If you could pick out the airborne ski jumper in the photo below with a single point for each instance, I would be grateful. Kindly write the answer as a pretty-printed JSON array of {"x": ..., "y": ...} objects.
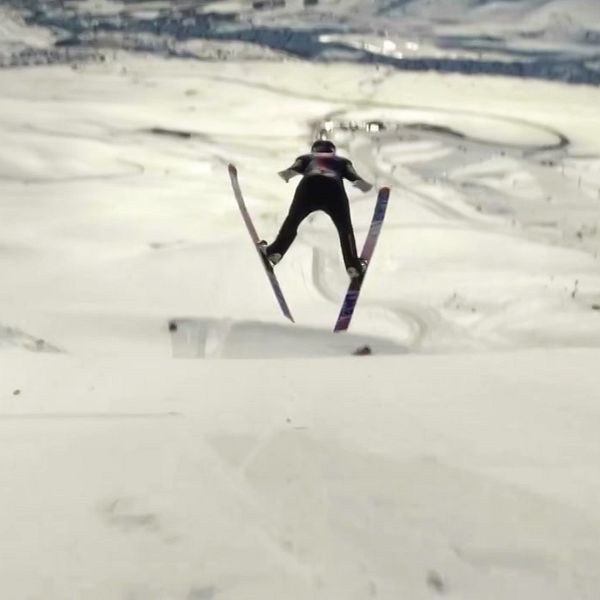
[{"x": 321, "y": 188}]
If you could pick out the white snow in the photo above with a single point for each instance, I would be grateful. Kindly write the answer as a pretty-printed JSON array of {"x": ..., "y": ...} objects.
[
  {"x": 16, "y": 35},
  {"x": 166, "y": 434}
]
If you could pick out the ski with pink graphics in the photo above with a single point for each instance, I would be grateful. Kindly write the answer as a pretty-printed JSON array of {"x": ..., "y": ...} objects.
[{"x": 351, "y": 298}]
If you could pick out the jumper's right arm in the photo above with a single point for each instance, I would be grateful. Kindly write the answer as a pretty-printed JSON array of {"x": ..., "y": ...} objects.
[{"x": 351, "y": 175}]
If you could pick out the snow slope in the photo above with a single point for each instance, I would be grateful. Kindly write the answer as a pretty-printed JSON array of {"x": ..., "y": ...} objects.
[
  {"x": 236, "y": 455},
  {"x": 421, "y": 477}
]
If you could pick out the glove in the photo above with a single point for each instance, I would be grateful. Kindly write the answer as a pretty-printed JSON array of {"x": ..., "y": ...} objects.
[
  {"x": 362, "y": 185},
  {"x": 286, "y": 175}
]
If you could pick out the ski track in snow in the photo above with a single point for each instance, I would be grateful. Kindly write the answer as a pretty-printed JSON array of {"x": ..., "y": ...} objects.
[{"x": 461, "y": 202}]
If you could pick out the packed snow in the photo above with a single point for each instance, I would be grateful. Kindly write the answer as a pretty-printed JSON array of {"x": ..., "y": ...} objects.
[{"x": 166, "y": 434}]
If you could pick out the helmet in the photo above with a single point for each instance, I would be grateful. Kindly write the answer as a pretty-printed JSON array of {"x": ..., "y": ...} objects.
[{"x": 323, "y": 146}]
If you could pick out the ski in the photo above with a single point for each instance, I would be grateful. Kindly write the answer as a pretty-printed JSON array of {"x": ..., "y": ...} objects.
[
  {"x": 351, "y": 298},
  {"x": 235, "y": 184}
]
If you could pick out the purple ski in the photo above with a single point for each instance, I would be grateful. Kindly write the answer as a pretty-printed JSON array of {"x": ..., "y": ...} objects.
[
  {"x": 355, "y": 286},
  {"x": 255, "y": 239}
]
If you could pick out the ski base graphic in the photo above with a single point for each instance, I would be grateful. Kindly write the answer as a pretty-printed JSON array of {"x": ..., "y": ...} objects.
[{"x": 351, "y": 298}]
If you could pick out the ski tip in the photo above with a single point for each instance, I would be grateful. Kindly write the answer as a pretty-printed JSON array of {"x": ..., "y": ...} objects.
[
  {"x": 231, "y": 168},
  {"x": 384, "y": 190}
]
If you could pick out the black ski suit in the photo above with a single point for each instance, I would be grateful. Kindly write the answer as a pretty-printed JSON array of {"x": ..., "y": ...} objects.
[{"x": 321, "y": 188}]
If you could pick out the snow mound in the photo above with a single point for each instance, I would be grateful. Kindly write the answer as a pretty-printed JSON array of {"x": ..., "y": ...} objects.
[{"x": 225, "y": 338}]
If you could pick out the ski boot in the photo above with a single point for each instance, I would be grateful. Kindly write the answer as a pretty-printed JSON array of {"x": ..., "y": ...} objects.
[
  {"x": 273, "y": 258},
  {"x": 355, "y": 272}
]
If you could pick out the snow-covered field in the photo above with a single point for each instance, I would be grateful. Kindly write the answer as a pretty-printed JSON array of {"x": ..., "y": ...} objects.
[{"x": 239, "y": 456}]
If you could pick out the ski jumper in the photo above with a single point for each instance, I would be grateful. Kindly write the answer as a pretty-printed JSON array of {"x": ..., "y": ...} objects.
[{"x": 321, "y": 188}]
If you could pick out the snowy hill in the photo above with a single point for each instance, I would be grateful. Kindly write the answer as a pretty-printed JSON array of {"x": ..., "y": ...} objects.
[{"x": 166, "y": 434}]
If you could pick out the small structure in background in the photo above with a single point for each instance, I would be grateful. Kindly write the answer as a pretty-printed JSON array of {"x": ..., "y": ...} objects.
[
  {"x": 262, "y": 4},
  {"x": 363, "y": 351}
]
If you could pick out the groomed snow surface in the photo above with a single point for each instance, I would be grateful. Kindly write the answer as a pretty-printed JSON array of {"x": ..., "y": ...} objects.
[{"x": 240, "y": 456}]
